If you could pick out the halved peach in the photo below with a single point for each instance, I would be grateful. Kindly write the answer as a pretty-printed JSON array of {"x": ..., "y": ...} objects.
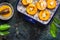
[
  {"x": 41, "y": 5},
  {"x": 31, "y": 9},
  {"x": 51, "y": 4},
  {"x": 26, "y": 2},
  {"x": 44, "y": 15}
]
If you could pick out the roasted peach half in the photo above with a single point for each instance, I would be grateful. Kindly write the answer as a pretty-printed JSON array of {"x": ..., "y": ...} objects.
[
  {"x": 31, "y": 9},
  {"x": 44, "y": 15},
  {"x": 26, "y": 2},
  {"x": 41, "y": 5},
  {"x": 51, "y": 4}
]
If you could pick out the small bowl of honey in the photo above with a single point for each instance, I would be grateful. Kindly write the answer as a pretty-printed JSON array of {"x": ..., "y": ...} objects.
[{"x": 6, "y": 11}]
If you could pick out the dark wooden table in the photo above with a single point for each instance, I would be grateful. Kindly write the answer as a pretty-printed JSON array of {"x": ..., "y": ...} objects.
[{"x": 27, "y": 31}]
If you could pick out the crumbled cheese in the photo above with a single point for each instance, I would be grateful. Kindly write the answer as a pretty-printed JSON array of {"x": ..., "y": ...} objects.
[
  {"x": 31, "y": 9},
  {"x": 28, "y": 1},
  {"x": 42, "y": 4},
  {"x": 52, "y": 3},
  {"x": 44, "y": 15}
]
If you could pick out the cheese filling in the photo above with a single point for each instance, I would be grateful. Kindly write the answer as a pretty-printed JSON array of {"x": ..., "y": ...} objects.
[
  {"x": 43, "y": 4},
  {"x": 29, "y": 1},
  {"x": 31, "y": 9},
  {"x": 51, "y": 3},
  {"x": 44, "y": 15}
]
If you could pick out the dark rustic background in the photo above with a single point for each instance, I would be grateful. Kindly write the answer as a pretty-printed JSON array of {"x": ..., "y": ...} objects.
[{"x": 27, "y": 31}]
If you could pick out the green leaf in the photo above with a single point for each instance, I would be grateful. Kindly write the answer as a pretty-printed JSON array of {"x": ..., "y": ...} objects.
[
  {"x": 4, "y": 27},
  {"x": 56, "y": 20},
  {"x": 4, "y": 33},
  {"x": 53, "y": 30}
]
